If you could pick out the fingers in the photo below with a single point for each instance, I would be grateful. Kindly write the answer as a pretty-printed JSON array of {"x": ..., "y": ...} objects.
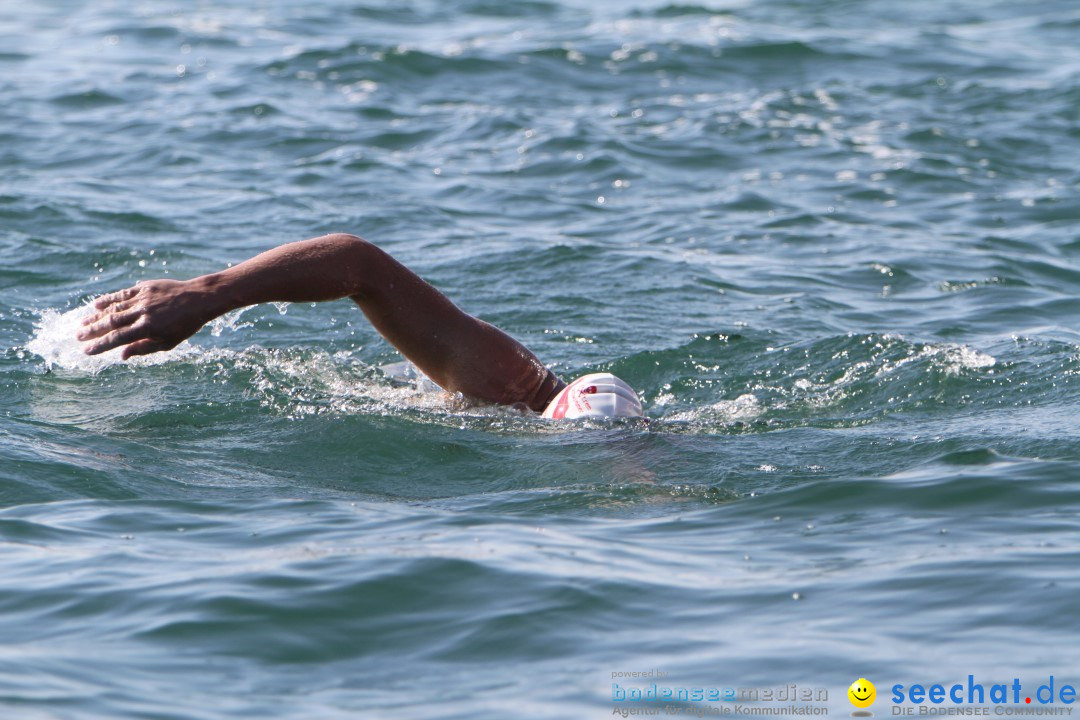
[
  {"x": 116, "y": 338},
  {"x": 97, "y": 325},
  {"x": 123, "y": 305},
  {"x": 106, "y": 300},
  {"x": 143, "y": 347},
  {"x": 117, "y": 307}
]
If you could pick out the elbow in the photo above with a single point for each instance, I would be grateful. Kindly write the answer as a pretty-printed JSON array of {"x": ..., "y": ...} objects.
[
  {"x": 346, "y": 240},
  {"x": 361, "y": 257}
]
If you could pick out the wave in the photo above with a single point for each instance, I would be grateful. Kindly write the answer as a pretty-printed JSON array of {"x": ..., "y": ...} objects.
[{"x": 716, "y": 383}]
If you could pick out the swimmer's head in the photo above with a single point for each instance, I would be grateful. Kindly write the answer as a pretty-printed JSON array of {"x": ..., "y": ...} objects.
[{"x": 599, "y": 395}]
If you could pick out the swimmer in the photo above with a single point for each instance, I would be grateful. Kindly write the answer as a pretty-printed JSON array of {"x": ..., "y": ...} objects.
[{"x": 459, "y": 352}]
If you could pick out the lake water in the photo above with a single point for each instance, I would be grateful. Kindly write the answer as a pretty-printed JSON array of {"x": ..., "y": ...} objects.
[{"x": 833, "y": 245}]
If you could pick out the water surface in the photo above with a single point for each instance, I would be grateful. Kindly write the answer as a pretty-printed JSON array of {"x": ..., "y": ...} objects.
[{"x": 832, "y": 244}]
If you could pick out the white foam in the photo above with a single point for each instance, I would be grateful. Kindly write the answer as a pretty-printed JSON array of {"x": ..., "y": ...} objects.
[
  {"x": 744, "y": 408},
  {"x": 962, "y": 357},
  {"x": 54, "y": 341}
]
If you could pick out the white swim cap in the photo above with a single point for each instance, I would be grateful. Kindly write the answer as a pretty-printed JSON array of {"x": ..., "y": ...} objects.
[{"x": 599, "y": 395}]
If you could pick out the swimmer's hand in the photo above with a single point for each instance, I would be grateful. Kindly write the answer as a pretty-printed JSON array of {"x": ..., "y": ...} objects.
[{"x": 152, "y": 316}]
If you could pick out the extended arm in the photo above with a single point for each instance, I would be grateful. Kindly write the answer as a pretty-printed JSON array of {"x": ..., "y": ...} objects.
[{"x": 459, "y": 352}]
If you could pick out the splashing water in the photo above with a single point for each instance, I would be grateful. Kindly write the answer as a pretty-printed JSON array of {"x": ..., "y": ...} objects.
[
  {"x": 55, "y": 342},
  {"x": 292, "y": 381}
]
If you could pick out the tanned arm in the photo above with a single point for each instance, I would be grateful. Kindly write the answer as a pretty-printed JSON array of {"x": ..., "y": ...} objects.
[{"x": 459, "y": 352}]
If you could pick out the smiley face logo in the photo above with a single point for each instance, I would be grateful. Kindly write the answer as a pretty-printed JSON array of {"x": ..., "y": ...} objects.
[{"x": 862, "y": 693}]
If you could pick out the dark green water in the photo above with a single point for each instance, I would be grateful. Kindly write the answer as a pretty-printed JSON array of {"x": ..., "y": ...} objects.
[{"x": 832, "y": 244}]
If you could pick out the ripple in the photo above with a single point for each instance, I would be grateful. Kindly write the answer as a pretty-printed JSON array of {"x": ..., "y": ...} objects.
[
  {"x": 680, "y": 10},
  {"x": 87, "y": 99}
]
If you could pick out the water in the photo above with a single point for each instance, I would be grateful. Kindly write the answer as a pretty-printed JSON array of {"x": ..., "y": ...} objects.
[{"x": 832, "y": 244}]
